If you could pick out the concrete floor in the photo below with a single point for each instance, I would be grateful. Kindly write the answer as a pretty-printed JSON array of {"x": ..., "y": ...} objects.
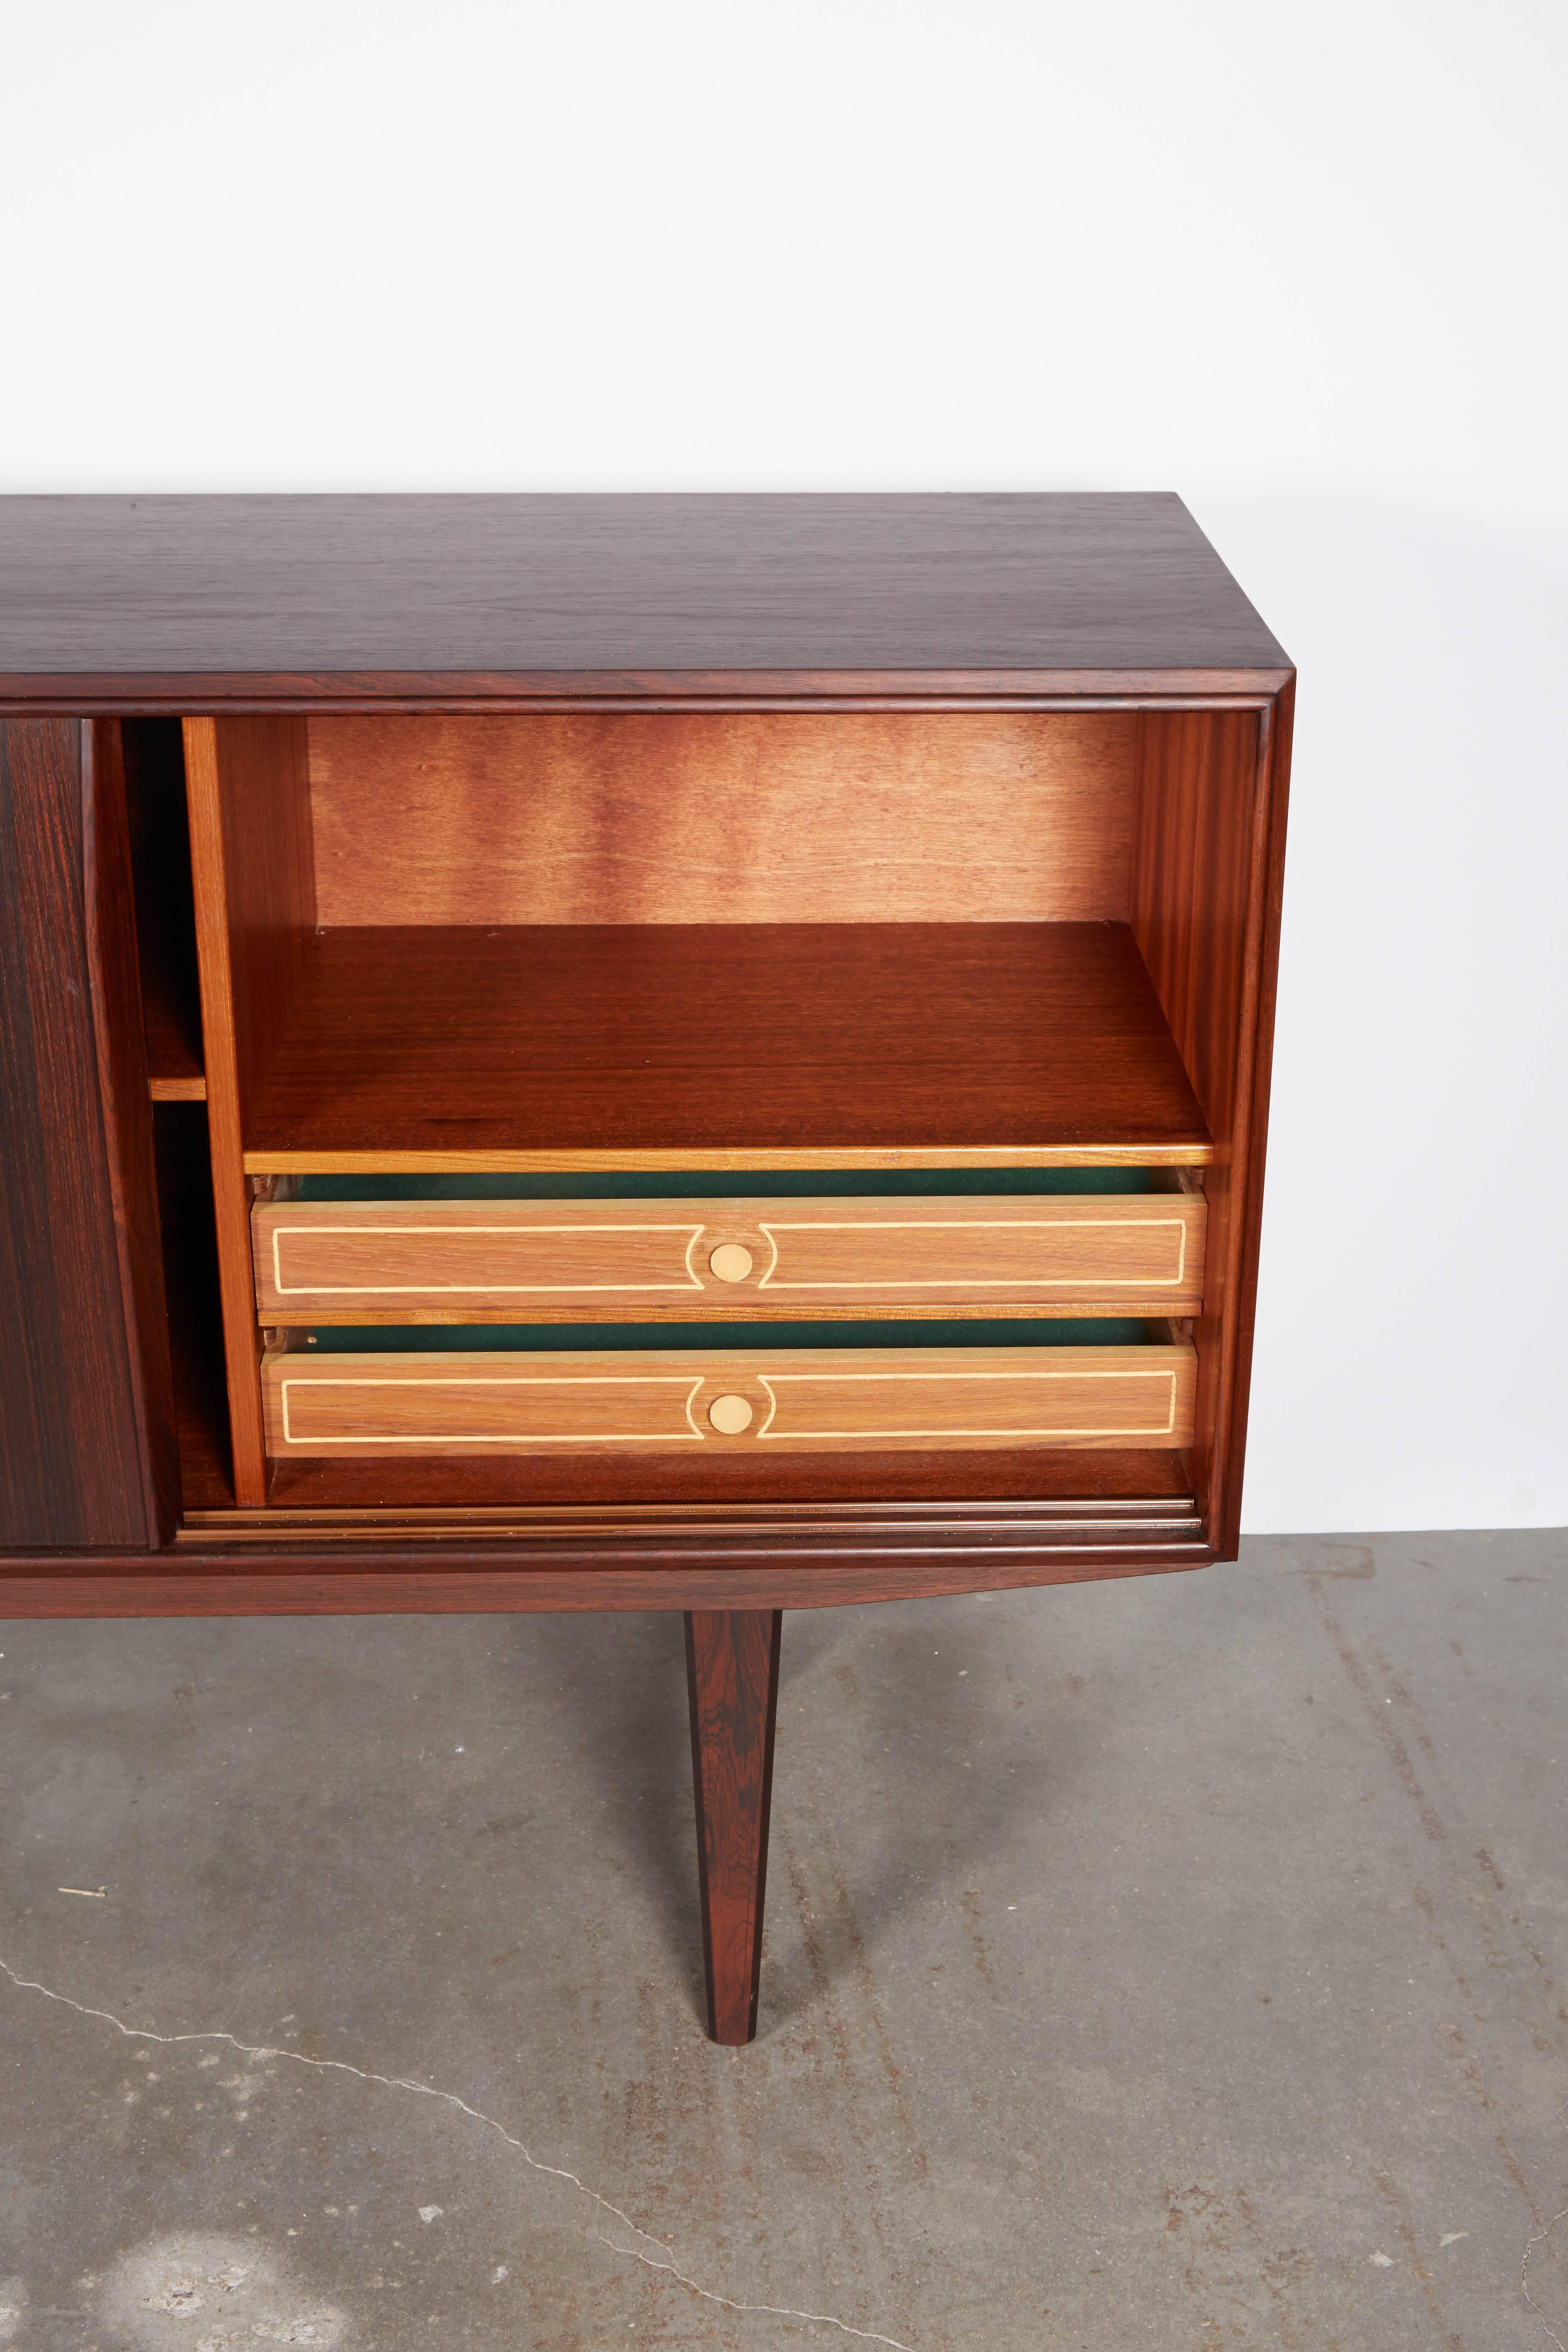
[{"x": 1177, "y": 1962}]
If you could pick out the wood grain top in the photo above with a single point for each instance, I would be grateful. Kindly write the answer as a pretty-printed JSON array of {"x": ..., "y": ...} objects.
[
  {"x": 724, "y": 1045},
  {"x": 204, "y": 600}
]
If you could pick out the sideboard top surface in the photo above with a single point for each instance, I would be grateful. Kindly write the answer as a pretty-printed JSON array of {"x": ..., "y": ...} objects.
[{"x": 306, "y": 599}]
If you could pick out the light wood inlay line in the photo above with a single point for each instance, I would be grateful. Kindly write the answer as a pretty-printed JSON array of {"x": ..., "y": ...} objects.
[
  {"x": 511, "y": 1232},
  {"x": 770, "y": 1380},
  {"x": 1074, "y": 1281},
  {"x": 503, "y": 1437}
]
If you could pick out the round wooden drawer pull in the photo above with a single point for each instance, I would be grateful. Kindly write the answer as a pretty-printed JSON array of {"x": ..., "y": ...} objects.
[
  {"x": 729, "y": 1415},
  {"x": 732, "y": 1263}
]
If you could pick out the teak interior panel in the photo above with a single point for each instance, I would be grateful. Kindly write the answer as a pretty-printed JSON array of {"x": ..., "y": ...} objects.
[
  {"x": 739, "y": 816},
  {"x": 724, "y": 1045},
  {"x": 497, "y": 1260},
  {"x": 251, "y": 861},
  {"x": 715, "y": 1401}
]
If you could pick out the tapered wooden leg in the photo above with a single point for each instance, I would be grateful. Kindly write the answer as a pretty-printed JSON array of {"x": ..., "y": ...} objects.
[{"x": 733, "y": 1676}]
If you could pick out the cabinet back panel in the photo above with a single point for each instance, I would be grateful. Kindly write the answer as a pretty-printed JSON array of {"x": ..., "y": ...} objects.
[{"x": 723, "y": 817}]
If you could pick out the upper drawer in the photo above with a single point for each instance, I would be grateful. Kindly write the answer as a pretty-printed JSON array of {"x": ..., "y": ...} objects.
[{"x": 560, "y": 1261}]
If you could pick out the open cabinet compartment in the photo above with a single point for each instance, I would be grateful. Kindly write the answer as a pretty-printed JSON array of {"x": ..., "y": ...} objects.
[
  {"x": 158, "y": 830},
  {"x": 876, "y": 941}
]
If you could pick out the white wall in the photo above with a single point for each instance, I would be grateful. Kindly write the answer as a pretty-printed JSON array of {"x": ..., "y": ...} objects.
[{"x": 1302, "y": 263}]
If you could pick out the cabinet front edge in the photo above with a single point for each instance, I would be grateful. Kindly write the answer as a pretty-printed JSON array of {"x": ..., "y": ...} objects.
[{"x": 182, "y": 693}]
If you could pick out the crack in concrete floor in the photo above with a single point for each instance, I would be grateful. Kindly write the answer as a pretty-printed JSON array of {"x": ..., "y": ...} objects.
[
  {"x": 1540, "y": 2238},
  {"x": 452, "y": 2099},
  {"x": 1240, "y": 1941},
  {"x": 1363, "y": 1567}
]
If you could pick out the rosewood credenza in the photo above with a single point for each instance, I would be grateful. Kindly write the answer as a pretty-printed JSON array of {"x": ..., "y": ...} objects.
[{"x": 695, "y": 1053}]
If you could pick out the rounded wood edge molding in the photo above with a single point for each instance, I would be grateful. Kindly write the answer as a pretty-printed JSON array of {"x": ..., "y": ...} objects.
[{"x": 343, "y": 1581}]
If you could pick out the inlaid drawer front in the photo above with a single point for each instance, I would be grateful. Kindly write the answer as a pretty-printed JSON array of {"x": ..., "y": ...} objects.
[
  {"x": 795, "y": 1400},
  {"x": 393, "y": 1260},
  {"x": 488, "y": 1261},
  {"x": 1014, "y": 1249}
]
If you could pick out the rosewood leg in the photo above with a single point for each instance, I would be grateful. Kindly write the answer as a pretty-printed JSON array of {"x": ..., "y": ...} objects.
[{"x": 733, "y": 1676}]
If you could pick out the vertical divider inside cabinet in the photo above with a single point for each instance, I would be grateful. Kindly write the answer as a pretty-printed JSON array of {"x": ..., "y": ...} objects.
[
  {"x": 114, "y": 974},
  {"x": 252, "y": 869}
]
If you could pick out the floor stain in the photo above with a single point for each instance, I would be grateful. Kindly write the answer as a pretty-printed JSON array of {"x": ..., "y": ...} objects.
[
  {"x": 1394, "y": 2195},
  {"x": 1385, "y": 1731},
  {"x": 969, "y": 1904}
]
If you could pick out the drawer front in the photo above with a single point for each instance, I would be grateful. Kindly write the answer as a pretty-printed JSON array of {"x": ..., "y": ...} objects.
[
  {"x": 488, "y": 1261},
  {"x": 804, "y": 1400}
]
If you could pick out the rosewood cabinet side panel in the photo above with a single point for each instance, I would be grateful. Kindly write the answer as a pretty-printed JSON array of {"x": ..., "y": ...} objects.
[
  {"x": 1207, "y": 864},
  {"x": 1250, "y": 1143},
  {"x": 83, "y": 1355}
]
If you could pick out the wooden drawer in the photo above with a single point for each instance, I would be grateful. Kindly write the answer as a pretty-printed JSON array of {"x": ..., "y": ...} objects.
[
  {"x": 700, "y": 1261},
  {"x": 796, "y": 1399}
]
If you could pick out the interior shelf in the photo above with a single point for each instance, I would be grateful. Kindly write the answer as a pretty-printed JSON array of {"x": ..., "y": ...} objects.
[
  {"x": 175, "y": 1072},
  {"x": 767, "y": 1045},
  {"x": 1148, "y": 1481}
]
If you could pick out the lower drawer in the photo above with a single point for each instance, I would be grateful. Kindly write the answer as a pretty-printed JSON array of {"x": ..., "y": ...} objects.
[{"x": 804, "y": 1400}]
